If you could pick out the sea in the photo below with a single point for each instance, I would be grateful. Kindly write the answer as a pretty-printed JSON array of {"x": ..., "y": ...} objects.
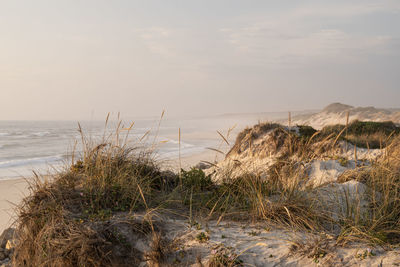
[{"x": 45, "y": 146}]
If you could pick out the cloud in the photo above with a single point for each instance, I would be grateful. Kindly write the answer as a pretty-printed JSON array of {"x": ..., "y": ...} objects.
[
  {"x": 295, "y": 37},
  {"x": 277, "y": 46},
  {"x": 346, "y": 10},
  {"x": 155, "y": 39}
]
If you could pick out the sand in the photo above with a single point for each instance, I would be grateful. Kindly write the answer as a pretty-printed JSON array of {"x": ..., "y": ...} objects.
[
  {"x": 12, "y": 191},
  {"x": 263, "y": 244},
  {"x": 186, "y": 162}
]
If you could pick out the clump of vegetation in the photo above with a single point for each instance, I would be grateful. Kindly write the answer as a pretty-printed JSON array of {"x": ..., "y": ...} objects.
[
  {"x": 344, "y": 162},
  {"x": 196, "y": 180},
  {"x": 72, "y": 220},
  {"x": 223, "y": 256},
  {"x": 380, "y": 225},
  {"x": 254, "y": 233},
  {"x": 250, "y": 196},
  {"x": 372, "y": 127},
  {"x": 366, "y": 253},
  {"x": 366, "y": 134},
  {"x": 363, "y": 127},
  {"x": 202, "y": 237},
  {"x": 315, "y": 248},
  {"x": 306, "y": 131}
]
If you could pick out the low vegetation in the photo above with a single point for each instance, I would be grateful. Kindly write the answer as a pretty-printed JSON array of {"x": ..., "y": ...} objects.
[
  {"x": 222, "y": 256},
  {"x": 94, "y": 212},
  {"x": 84, "y": 216},
  {"x": 366, "y": 134},
  {"x": 315, "y": 248}
]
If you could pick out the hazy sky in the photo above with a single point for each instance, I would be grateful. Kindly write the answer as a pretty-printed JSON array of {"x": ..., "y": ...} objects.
[{"x": 72, "y": 59}]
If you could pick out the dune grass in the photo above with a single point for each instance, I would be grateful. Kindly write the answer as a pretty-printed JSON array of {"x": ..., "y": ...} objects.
[
  {"x": 87, "y": 214},
  {"x": 295, "y": 206},
  {"x": 83, "y": 215},
  {"x": 381, "y": 223}
]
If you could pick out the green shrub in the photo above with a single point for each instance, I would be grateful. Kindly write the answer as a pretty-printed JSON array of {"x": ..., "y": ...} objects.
[
  {"x": 196, "y": 179},
  {"x": 372, "y": 127},
  {"x": 306, "y": 131},
  {"x": 365, "y": 134},
  {"x": 202, "y": 237}
]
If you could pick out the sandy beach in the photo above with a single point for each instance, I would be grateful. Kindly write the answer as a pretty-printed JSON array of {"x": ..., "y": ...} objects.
[{"x": 12, "y": 191}]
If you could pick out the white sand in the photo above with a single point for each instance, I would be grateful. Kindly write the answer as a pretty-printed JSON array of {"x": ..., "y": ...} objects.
[{"x": 266, "y": 245}]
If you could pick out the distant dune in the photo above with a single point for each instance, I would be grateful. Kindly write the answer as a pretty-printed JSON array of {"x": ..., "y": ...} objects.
[{"x": 336, "y": 113}]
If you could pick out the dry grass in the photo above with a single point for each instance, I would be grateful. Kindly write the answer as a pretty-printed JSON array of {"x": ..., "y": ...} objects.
[
  {"x": 254, "y": 198},
  {"x": 86, "y": 214},
  {"x": 222, "y": 256},
  {"x": 83, "y": 216},
  {"x": 159, "y": 248},
  {"x": 381, "y": 223},
  {"x": 282, "y": 198},
  {"x": 316, "y": 248}
]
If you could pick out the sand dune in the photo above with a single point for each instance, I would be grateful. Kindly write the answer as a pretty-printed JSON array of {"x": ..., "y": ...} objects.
[{"x": 336, "y": 113}]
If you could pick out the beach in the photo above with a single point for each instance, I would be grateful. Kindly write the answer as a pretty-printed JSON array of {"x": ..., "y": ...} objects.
[{"x": 12, "y": 191}]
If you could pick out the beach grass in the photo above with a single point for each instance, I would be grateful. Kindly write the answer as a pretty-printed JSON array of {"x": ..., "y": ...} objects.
[{"x": 86, "y": 214}]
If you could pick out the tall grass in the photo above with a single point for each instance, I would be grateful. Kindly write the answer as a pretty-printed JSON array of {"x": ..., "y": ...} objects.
[
  {"x": 70, "y": 220},
  {"x": 86, "y": 214},
  {"x": 380, "y": 223}
]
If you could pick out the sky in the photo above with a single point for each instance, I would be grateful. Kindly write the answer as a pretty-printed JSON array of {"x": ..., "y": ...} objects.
[{"x": 73, "y": 60}]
